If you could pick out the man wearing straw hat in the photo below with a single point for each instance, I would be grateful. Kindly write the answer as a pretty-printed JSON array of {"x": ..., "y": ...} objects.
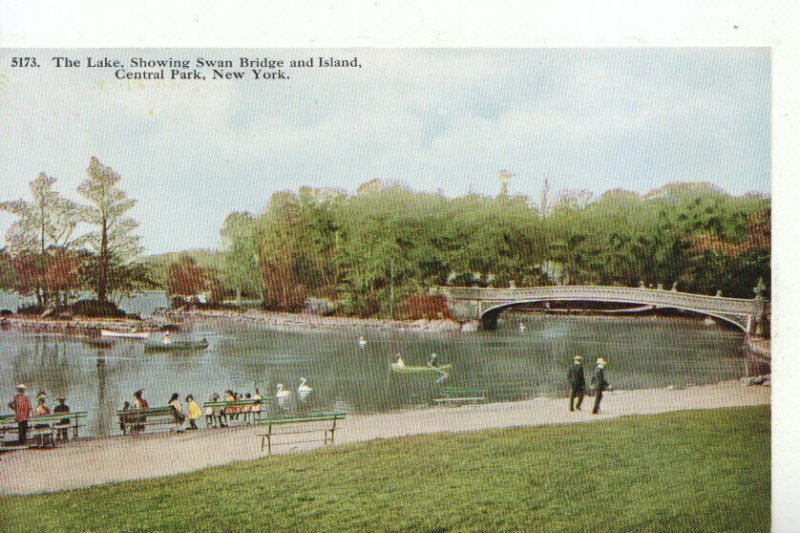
[
  {"x": 577, "y": 383},
  {"x": 599, "y": 383},
  {"x": 22, "y": 409}
]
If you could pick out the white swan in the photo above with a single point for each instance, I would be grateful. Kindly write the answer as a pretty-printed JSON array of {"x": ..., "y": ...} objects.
[
  {"x": 304, "y": 389},
  {"x": 521, "y": 326},
  {"x": 400, "y": 361},
  {"x": 362, "y": 342},
  {"x": 282, "y": 393}
]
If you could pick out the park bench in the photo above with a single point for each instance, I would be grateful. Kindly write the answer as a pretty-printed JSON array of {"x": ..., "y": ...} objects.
[
  {"x": 279, "y": 431},
  {"x": 137, "y": 420},
  {"x": 49, "y": 426},
  {"x": 247, "y": 411},
  {"x": 462, "y": 394}
]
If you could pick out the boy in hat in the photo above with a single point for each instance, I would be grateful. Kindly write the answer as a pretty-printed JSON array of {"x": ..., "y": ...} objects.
[
  {"x": 22, "y": 410},
  {"x": 62, "y": 408},
  {"x": 577, "y": 383},
  {"x": 599, "y": 383}
]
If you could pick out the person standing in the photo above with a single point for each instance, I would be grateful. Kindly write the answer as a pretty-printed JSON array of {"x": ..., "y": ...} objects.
[
  {"x": 599, "y": 384},
  {"x": 194, "y": 412},
  {"x": 125, "y": 419},
  {"x": 577, "y": 383},
  {"x": 22, "y": 409},
  {"x": 62, "y": 408}
]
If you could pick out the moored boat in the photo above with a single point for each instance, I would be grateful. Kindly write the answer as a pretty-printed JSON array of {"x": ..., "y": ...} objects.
[
  {"x": 403, "y": 369},
  {"x": 124, "y": 334},
  {"x": 176, "y": 346},
  {"x": 99, "y": 343}
]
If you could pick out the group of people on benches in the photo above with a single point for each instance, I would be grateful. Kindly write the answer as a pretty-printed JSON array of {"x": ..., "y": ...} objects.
[
  {"x": 25, "y": 414},
  {"x": 216, "y": 415}
]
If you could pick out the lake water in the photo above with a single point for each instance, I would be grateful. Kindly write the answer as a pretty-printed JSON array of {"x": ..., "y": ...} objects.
[{"x": 513, "y": 364}]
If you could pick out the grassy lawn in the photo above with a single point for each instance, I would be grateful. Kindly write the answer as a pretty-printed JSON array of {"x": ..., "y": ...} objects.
[{"x": 688, "y": 471}]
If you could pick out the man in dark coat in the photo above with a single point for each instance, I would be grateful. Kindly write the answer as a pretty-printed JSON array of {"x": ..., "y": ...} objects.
[
  {"x": 577, "y": 383},
  {"x": 62, "y": 408},
  {"x": 599, "y": 384}
]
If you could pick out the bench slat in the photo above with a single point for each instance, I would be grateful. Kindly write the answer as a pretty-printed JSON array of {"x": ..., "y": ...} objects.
[
  {"x": 461, "y": 399},
  {"x": 233, "y": 403},
  {"x": 298, "y": 420}
]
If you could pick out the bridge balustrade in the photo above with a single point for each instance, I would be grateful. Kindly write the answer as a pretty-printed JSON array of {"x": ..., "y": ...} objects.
[{"x": 490, "y": 300}]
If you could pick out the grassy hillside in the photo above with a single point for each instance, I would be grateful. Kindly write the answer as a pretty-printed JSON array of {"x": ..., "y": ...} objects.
[{"x": 688, "y": 471}]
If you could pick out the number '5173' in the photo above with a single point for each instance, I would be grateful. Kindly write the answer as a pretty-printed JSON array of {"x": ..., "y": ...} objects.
[{"x": 24, "y": 62}]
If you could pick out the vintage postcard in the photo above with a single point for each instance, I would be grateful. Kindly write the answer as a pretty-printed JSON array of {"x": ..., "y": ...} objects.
[{"x": 370, "y": 289}]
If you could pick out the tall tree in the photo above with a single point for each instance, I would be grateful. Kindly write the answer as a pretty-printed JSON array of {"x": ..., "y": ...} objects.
[
  {"x": 240, "y": 260},
  {"x": 281, "y": 244},
  {"x": 42, "y": 234},
  {"x": 114, "y": 242}
]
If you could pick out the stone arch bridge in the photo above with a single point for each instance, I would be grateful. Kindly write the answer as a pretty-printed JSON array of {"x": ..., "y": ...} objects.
[{"x": 471, "y": 303}]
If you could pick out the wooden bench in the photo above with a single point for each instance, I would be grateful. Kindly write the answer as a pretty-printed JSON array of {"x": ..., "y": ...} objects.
[
  {"x": 250, "y": 409},
  {"x": 52, "y": 423},
  {"x": 288, "y": 427},
  {"x": 462, "y": 394},
  {"x": 137, "y": 420},
  {"x": 41, "y": 436}
]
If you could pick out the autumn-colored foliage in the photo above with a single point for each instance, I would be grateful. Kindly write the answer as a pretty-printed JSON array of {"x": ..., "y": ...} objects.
[
  {"x": 54, "y": 275},
  {"x": 758, "y": 238},
  {"x": 417, "y": 306},
  {"x": 187, "y": 279}
]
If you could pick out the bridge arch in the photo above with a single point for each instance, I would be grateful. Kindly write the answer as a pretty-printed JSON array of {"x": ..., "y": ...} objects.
[{"x": 489, "y": 316}]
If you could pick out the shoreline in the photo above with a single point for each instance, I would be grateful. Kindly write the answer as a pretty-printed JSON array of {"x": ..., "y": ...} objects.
[
  {"x": 91, "y": 462},
  {"x": 299, "y": 322},
  {"x": 308, "y": 323}
]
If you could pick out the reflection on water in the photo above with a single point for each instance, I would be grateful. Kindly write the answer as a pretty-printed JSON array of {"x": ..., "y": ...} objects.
[{"x": 513, "y": 362}]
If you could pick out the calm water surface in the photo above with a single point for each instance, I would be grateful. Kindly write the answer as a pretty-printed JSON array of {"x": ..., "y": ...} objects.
[{"x": 513, "y": 364}]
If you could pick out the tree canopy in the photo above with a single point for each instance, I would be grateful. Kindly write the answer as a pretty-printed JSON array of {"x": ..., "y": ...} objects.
[{"x": 369, "y": 250}]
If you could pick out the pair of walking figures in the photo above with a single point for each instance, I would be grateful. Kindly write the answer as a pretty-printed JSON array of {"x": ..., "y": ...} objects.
[{"x": 577, "y": 383}]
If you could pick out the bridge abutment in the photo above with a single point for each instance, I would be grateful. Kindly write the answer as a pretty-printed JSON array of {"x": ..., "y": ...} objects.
[{"x": 464, "y": 310}]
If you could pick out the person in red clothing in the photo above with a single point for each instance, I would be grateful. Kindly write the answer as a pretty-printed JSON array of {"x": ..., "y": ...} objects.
[
  {"x": 41, "y": 409},
  {"x": 22, "y": 408},
  {"x": 140, "y": 403}
]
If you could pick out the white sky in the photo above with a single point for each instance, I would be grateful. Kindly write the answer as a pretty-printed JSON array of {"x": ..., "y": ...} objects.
[{"x": 191, "y": 152}]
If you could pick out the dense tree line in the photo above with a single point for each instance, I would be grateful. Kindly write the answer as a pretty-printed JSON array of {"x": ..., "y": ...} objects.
[
  {"x": 368, "y": 251},
  {"x": 377, "y": 251}
]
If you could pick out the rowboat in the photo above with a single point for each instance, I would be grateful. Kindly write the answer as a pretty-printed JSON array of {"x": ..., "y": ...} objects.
[
  {"x": 125, "y": 334},
  {"x": 99, "y": 343},
  {"x": 176, "y": 346},
  {"x": 403, "y": 369}
]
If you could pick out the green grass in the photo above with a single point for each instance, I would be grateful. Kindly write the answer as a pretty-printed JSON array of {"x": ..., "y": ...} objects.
[{"x": 687, "y": 471}]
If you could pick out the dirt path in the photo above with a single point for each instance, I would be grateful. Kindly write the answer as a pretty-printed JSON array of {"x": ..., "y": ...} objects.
[{"x": 98, "y": 461}]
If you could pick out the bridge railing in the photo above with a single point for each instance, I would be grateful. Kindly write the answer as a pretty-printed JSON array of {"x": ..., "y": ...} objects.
[{"x": 659, "y": 297}]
